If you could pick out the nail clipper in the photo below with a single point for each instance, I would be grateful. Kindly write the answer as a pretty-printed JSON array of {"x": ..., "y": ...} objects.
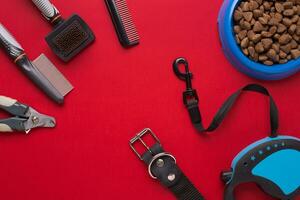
[{"x": 25, "y": 117}]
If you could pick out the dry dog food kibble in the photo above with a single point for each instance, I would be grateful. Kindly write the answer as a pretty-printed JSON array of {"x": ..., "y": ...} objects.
[{"x": 268, "y": 31}]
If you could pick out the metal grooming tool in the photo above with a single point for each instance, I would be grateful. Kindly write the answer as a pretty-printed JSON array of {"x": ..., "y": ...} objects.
[
  {"x": 25, "y": 117},
  {"x": 41, "y": 71}
]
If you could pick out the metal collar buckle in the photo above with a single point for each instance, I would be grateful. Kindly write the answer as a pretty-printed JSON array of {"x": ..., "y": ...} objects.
[
  {"x": 157, "y": 158},
  {"x": 138, "y": 138}
]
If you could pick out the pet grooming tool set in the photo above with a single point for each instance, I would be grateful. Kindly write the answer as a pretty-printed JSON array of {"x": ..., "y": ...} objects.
[
  {"x": 41, "y": 71},
  {"x": 272, "y": 163},
  {"x": 70, "y": 36}
]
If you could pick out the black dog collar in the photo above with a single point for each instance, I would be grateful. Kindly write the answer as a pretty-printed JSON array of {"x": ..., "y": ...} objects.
[{"x": 162, "y": 166}]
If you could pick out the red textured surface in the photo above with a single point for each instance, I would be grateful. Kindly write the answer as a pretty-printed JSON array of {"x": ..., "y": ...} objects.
[{"x": 118, "y": 92}]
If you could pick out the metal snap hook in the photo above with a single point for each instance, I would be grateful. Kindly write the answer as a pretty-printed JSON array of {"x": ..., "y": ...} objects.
[
  {"x": 179, "y": 74},
  {"x": 190, "y": 95},
  {"x": 187, "y": 76}
]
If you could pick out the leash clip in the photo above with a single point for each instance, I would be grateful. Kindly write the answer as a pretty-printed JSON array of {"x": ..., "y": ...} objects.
[{"x": 190, "y": 96}]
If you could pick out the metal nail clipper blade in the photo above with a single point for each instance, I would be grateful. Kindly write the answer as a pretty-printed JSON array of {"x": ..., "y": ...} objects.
[{"x": 42, "y": 72}]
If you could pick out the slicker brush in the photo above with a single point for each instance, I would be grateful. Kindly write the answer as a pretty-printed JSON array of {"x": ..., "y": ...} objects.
[{"x": 70, "y": 36}]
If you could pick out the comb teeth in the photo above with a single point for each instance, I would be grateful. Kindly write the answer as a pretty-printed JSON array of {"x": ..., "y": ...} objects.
[
  {"x": 123, "y": 22},
  {"x": 127, "y": 22}
]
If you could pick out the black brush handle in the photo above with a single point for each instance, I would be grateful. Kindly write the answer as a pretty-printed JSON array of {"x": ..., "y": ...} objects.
[
  {"x": 49, "y": 11},
  {"x": 117, "y": 21},
  {"x": 16, "y": 52},
  {"x": 122, "y": 20}
]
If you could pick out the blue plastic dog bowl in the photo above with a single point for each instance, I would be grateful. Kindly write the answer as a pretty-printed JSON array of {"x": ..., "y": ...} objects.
[{"x": 234, "y": 54}]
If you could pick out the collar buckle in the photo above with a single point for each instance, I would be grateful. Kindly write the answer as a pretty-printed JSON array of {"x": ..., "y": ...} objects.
[{"x": 139, "y": 138}]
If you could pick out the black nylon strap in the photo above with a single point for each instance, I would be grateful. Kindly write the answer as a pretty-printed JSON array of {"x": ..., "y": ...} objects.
[
  {"x": 163, "y": 167},
  {"x": 191, "y": 100},
  {"x": 196, "y": 118},
  {"x": 185, "y": 190}
]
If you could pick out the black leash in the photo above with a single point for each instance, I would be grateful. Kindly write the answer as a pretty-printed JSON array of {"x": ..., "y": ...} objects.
[
  {"x": 191, "y": 101},
  {"x": 162, "y": 165}
]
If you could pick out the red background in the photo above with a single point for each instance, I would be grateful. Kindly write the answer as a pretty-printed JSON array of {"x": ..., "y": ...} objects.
[{"x": 118, "y": 92}]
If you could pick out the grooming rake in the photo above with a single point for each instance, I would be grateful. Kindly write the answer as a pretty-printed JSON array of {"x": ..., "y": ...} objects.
[{"x": 41, "y": 71}]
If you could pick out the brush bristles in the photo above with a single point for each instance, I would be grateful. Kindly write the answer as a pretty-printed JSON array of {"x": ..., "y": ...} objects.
[
  {"x": 70, "y": 38},
  {"x": 127, "y": 21}
]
